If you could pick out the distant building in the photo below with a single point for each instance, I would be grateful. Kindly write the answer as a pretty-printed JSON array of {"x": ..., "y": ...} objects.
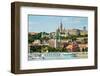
[
  {"x": 83, "y": 32},
  {"x": 62, "y": 32},
  {"x": 73, "y": 31},
  {"x": 73, "y": 47},
  {"x": 52, "y": 43},
  {"x": 33, "y": 33},
  {"x": 36, "y": 42},
  {"x": 67, "y": 32},
  {"x": 58, "y": 36}
]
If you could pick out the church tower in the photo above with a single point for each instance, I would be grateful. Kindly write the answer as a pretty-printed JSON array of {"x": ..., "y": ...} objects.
[
  {"x": 61, "y": 26},
  {"x": 57, "y": 35}
]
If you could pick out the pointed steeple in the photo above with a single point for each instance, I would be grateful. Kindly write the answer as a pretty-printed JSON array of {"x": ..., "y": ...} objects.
[{"x": 61, "y": 26}]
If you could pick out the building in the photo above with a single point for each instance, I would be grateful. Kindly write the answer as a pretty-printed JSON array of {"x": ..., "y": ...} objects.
[
  {"x": 66, "y": 32},
  {"x": 52, "y": 43},
  {"x": 36, "y": 42},
  {"x": 33, "y": 33},
  {"x": 62, "y": 32},
  {"x": 58, "y": 36}
]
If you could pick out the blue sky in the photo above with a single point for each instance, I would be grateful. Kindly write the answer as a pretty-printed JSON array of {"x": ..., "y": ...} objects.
[{"x": 42, "y": 23}]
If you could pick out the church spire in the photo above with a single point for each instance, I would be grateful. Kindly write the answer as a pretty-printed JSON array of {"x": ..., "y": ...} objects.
[{"x": 61, "y": 26}]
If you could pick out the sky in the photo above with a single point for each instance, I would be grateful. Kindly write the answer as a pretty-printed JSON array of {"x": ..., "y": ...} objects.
[{"x": 43, "y": 23}]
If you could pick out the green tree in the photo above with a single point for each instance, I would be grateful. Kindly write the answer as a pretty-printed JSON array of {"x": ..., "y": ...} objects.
[{"x": 30, "y": 39}]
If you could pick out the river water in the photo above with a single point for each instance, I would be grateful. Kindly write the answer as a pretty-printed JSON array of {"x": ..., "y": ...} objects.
[{"x": 56, "y": 56}]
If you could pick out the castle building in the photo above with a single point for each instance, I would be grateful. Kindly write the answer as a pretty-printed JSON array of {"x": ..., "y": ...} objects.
[{"x": 62, "y": 32}]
